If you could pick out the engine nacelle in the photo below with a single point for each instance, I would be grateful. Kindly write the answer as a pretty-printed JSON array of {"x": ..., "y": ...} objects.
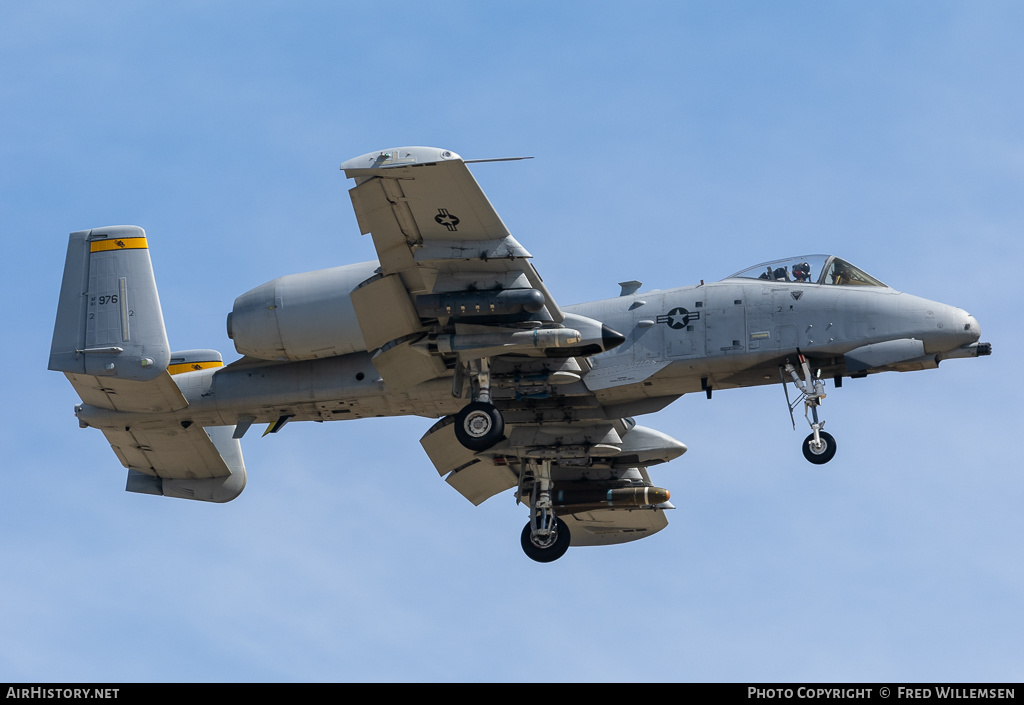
[{"x": 300, "y": 316}]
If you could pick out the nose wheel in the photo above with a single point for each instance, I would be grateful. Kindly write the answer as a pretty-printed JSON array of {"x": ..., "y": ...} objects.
[{"x": 821, "y": 452}]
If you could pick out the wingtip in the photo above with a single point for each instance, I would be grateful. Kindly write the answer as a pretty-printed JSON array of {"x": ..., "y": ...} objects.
[{"x": 400, "y": 156}]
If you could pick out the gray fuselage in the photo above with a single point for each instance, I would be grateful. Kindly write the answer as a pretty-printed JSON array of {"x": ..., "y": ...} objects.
[{"x": 727, "y": 334}]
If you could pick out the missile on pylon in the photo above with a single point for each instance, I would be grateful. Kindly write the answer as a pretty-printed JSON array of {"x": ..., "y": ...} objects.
[{"x": 618, "y": 498}]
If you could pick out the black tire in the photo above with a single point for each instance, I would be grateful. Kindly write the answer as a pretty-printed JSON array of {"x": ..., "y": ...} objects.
[
  {"x": 552, "y": 552},
  {"x": 825, "y": 454},
  {"x": 479, "y": 426}
]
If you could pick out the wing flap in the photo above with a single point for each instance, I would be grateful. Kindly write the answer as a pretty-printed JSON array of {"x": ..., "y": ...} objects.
[
  {"x": 475, "y": 477},
  {"x": 377, "y": 212}
]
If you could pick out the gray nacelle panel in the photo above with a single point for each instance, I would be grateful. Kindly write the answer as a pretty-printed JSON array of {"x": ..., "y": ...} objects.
[{"x": 300, "y": 316}]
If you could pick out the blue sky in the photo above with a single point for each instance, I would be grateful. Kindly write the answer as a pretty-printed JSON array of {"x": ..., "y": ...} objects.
[{"x": 674, "y": 142}]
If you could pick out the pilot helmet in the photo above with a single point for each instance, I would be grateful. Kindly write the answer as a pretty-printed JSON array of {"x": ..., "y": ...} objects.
[{"x": 802, "y": 271}]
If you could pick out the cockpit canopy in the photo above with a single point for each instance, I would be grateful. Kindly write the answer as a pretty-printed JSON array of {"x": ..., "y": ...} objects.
[{"x": 810, "y": 269}]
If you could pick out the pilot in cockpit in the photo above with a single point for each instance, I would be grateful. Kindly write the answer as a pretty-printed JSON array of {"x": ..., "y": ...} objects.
[
  {"x": 841, "y": 273},
  {"x": 802, "y": 272}
]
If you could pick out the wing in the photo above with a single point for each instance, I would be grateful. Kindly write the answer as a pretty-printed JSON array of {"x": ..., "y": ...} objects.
[
  {"x": 442, "y": 249},
  {"x": 456, "y": 295}
]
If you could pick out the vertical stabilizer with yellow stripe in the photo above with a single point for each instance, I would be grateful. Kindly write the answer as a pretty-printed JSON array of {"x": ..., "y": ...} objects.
[
  {"x": 110, "y": 342},
  {"x": 109, "y": 321},
  {"x": 109, "y": 338}
]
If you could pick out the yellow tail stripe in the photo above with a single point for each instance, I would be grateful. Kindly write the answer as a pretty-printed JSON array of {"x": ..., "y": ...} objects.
[
  {"x": 119, "y": 243},
  {"x": 193, "y": 366}
]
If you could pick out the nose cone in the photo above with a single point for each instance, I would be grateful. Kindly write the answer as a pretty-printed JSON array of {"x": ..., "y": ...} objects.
[
  {"x": 970, "y": 331},
  {"x": 973, "y": 327},
  {"x": 948, "y": 328},
  {"x": 611, "y": 338}
]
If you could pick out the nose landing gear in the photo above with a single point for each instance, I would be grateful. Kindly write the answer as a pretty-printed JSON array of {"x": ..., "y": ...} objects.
[
  {"x": 819, "y": 447},
  {"x": 821, "y": 452}
]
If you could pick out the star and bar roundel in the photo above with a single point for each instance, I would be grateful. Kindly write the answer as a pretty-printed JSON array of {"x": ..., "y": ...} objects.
[
  {"x": 448, "y": 220},
  {"x": 679, "y": 318}
]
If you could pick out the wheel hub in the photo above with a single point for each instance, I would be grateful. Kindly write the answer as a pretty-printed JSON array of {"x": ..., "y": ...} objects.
[{"x": 478, "y": 424}]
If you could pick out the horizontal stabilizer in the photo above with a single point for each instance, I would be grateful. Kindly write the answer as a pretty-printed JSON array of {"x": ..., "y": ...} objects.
[
  {"x": 154, "y": 396},
  {"x": 189, "y": 463}
]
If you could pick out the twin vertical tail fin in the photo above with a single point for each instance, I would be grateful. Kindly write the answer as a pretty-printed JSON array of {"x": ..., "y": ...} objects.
[
  {"x": 110, "y": 342},
  {"x": 109, "y": 322},
  {"x": 109, "y": 338}
]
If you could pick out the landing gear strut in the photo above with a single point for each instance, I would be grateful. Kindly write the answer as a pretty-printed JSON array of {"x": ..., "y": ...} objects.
[
  {"x": 479, "y": 425},
  {"x": 819, "y": 447},
  {"x": 545, "y": 537}
]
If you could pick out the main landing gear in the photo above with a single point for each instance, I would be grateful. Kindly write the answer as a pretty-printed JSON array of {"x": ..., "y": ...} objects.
[
  {"x": 819, "y": 447},
  {"x": 479, "y": 424},
  {"x": 545, "y": 537},
  {"x": 549, "y": 549}
]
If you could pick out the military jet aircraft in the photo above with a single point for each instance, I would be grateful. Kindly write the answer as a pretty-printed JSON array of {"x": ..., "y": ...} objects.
[{"x": 454, "y": 323}]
